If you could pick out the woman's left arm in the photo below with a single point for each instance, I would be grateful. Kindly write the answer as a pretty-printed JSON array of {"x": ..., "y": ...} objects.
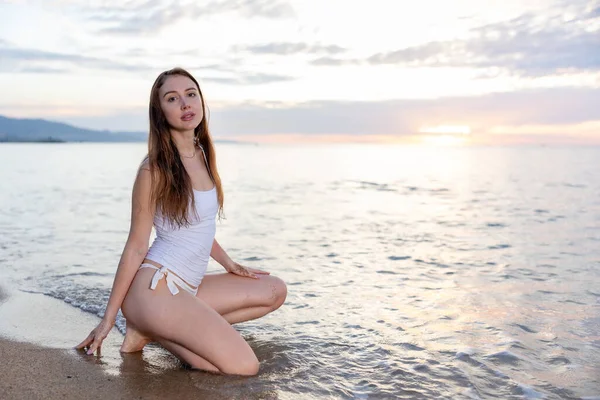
[{"x": 220, "y": 256}]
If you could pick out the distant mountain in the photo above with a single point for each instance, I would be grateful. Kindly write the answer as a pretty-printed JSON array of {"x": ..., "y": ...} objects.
[{"x": 40, "y": 130}]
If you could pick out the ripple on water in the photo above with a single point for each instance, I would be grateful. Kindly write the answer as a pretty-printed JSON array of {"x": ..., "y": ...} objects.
[
  {"x": 307, "y": 323},
  {"x": 399, "y": 258},
  {"x": 410, "y": 346},
  {"x": 504, "y": 357},
  {"x": 495, "y": 225},
  {"x": 525, "y": 328},
  {"x": 559, "y": 360},
  {"x": 499, "y": 246}
]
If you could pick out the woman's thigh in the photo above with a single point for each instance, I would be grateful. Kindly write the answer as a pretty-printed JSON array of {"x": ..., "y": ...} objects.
[
  {"x": 226, "y": 292},
  {"x": 188, "y": 322}
]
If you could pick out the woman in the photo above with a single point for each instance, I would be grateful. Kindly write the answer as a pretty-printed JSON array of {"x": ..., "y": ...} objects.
[{"x": 162, "y": 290}]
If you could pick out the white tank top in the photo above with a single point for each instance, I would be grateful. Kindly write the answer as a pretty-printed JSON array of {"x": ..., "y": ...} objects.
[{"x": 186, "y": 250}]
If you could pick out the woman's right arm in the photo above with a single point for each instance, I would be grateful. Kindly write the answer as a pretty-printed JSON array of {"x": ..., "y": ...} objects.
[{"x": 142, "y": 215}]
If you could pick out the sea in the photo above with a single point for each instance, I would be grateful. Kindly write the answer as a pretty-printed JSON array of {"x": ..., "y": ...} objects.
[{"x": 413, "y": 272}]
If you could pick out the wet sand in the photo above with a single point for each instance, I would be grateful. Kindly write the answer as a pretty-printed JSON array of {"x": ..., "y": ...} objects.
[
  {"x": 37, "y": 335},
  {"x": 34, "y": 372}
]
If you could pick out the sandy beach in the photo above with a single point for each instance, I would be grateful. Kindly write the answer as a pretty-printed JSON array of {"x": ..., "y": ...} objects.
[
  {"x": 34, "y": 372},
  {"x": 38, "y": 362}
]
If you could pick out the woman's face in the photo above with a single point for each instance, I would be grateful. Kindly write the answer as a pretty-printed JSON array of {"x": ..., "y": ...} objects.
[{"x": 180, "y": 102}]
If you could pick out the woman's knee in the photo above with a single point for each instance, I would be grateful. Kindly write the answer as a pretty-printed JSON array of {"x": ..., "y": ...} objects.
[
  {"x": 278, "y": 292},
  {"x": 247, "y": 366}
]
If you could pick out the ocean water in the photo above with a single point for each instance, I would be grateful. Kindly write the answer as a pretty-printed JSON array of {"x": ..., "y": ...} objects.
[{"x": 413, "y": 272}]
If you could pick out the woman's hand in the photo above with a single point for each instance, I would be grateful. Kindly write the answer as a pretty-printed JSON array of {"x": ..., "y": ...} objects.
[
  {"x": 94, "y": 340},
  {"x": 237, "y": 269}
]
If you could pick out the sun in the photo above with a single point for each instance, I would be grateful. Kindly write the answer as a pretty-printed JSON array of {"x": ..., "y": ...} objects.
[{"x": 445, "y": 135}]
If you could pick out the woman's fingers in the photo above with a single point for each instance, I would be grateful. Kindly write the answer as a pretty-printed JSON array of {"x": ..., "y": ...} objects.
[
  {"x": 95, "y": 346},
  {"x": 240, "y": 270},
  {"x": 94, "y": 341},
  {"x": 248, "y": 274},
  {"x": 86, "y": 342},
  {"x": 258, "y": 271},
  {"x": 243, "y": 271}
]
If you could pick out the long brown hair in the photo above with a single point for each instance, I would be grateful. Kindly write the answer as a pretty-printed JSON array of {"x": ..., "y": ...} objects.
[{"x": 171, "y": 185}]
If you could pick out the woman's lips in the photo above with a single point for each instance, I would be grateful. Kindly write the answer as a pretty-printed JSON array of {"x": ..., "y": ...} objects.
[{"x": 188, "y": 116}]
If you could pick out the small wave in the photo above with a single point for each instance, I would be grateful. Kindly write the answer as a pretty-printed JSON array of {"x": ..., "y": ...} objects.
[
  {"x": 430, "y": 190},
  {"x": 546, "y": 266},
  {"x": 504, "y": 357},
  {"x": 499, "y": 246},
  {"x": 253, "y": 258},
  {"x": 574, "y": 185},
  {"x": 468, "y": 352},
  {"x": 434, "y": 263},
  {"x": 572, "y": 302},
  {"x": 382, "y": 187},
  {"x": 421, "y": 367},
  {"x": 307, "y": 323},
  {"x": 82, "y": 274},
  {"x": 559, "y": 360},
  {"x": 410, "y": 346},
  {"x": 399, "y": 258},
  {"x": 529, "y": 393},
  {"x": 525, "y": 328}
]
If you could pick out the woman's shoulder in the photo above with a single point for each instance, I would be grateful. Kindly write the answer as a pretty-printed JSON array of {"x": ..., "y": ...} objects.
[
  {"x": 143, "y": 172},
  {"x": 145, "y": 164}
]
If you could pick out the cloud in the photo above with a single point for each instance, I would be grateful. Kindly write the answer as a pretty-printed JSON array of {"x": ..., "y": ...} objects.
[
  {"x": 22, "y": 60},
  {"x": 530, "y": 111},
  {"x": 153, "y": 15},
  {"x": 561, "y": 106},
  {"x": 287, "y": 48},
  {"x": 327, "y": 52},
  {"x": 529, "y": 45},
  {"x": 43, "y": 70},
  {"x": 32, "y": 60},
  {"x": 273, "y": 9},
  {"x": 334, "y": 62},
  {"x": 249, "y": 79}
]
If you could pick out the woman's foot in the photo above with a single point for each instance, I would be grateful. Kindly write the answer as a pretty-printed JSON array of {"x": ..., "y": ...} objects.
[{"x": 134, "y": 341}]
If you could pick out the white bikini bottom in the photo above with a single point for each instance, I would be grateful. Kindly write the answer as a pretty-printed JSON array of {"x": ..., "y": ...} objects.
[{"x": 174, "y": 282}]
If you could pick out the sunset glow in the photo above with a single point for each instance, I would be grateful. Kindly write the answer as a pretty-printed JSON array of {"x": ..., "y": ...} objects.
[
  {"x": 443, "y": 72},
  {"x": 443, "y": 140},
  {"x": 447, "y": 129}
]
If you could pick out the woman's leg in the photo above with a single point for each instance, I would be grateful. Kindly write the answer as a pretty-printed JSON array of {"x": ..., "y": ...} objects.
[
  {"x": 240, "y": 299},
  {"x": 134, "y": 340},
  {"x": 236, "y": 298},
  {"x": 188, "y": 327}
]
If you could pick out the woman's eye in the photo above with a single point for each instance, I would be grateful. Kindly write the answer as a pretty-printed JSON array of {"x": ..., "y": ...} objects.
[
  {"x": 192, "y": 94},
  {"x": 171, "y": 99}
]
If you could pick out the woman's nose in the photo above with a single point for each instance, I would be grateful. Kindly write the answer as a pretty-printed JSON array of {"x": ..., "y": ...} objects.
[{"x": 184, "y": 104}]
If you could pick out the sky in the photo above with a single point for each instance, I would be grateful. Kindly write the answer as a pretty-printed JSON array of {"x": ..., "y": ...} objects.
[{"x": 432, "y": 71}]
